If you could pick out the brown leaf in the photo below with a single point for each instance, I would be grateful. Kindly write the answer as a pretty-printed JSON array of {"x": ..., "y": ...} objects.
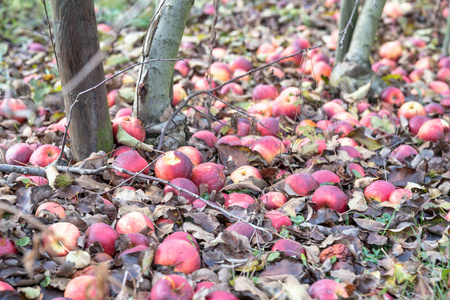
[
  {"x": 284, "y": 267},
  {"x": 241, "y": 155},
  {"x": 400, "y": 177}
]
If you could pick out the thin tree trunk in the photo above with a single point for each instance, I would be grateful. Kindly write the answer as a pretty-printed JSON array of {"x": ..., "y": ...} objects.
[
  {"x": 445, "y": 46},
  {"x": 80, "y": 68},
  {"x": 162, "y": 41},
  {"x": 347, "y": 7},
  {"x": 365, "y": 31}
]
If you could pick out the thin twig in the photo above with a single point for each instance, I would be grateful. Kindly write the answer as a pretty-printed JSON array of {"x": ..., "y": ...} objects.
[
  {"x": 191, "y": 96},
  {"x": 349, "y": 23},
  {"x": 212, "y": 40},
  {"x": 50, "y": 32}
]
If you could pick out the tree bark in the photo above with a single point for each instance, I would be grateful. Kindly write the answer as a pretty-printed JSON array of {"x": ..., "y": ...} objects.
[
  {"x": 80, "y": 68},
  {"x": 162, "y": 41},
  {"x": 347, "y": 7},
  {"x": 446, "y": 44}
]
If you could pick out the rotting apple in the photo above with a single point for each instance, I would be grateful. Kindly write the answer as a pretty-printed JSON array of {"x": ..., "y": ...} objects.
[
  {"x": 245, "y": 172},
  {"x": 51, "y": 207}
]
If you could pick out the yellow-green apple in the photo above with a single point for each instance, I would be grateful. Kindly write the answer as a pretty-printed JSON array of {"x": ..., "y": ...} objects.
[
  {"x": 207, "y": 136},
  {"x": 352, "y": 152},
  {"x": 60, "y": 238},
  {"x": 128, "y": 81},
  {"x": 396, "y": 196},
  {"x": 241, "y": 63},
  {"x": 434, "y": 108},
  {"x": 194, "y": 155},
  {"x": 53, "y": 208},
  {"x": 346, "y": 141},
  {"x": 171, "y": 287},
  {"x": 86, "y": 287},
  {"x": 220, "y": 71},
  {"x": 320, "y": 69},
  {"x": 271, "y": 126},
  {"x": 379, "y": 190},
  {"x": 103, "y": 234},
  {"x": 245, "y": 172},
  {"x": 269, "y": 147},
  {"x": 179, "y": 93},
  {"x": 239, "y": 199},
  {"x": 44, "y": 155},
  {"x": 133, "y": 126},
  {"x": 301, "y": 183},
  {"x": 242, "y": 228},
  {"x": 173, "y": 164},
  {"x": 137, "y": 239},
  {"x": 331, "y": 197},
  {"x": 119, "y": 150},
  {"x": 209, "y": 174},
  {"x": 123, "y": 112},
  {"x": 392, "y": 95},
  {"x": 184, "y": 236},
  {"x": 273, "y": 200},
  {"x": 287, "y": 103},
  {"x": 231, "y": 88},
  {"x": 410, "y": 109},
  {"x": 332, "y": 108},
  {"x": 219, "y": 52},
  {"x": 230, "y": 140},
  {"x": 184, "y": 184},
  {"x": 278, "y": 219},
  {"x": 354, "y": 168},
  {"x": 6, "y": 287},
  {"x": 7, "y": 246},
  {"x": 182, "y": 67},
  {"x": 433, "y": 130},
  {"x": 402, "y": 152},
  {"x": 391, "y": 50},
  {"x": 18, "y": 154},
  {"x": 289, "y": 247},
  {"x": 135, "y": 222},
  {"x": 179, "y": 254},
  {"x": 15, "y": 109},
  {"x": 131, "y": 161},
  {"x": 325, "y": 176},
  {"x": 327, "y": 289},
  {"x": 264, "y": 91},
  {"x": 415, "y": 123},
  {"x": 221, "y": 295},
  {"x": 438, "y": 86}
]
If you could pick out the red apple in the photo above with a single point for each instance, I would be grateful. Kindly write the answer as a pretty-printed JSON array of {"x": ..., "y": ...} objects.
[
  {"x": 44, "y": 155},
  {"x": 184, "y": 236},
  {"x": 231, "y": 88},
  {"x": 264, "y": 91},
  {"x": 171, "y": 287},
  {"x": 332, "y": 108},
  {"x": 7, "y": 247},
  {"x": 137, "y": 239},
  {"x": 288, "y": 51},
  {"x": 86, "y": 287},
  {"x": 242, "y": 228},
  {"x": 331, "y": 197},
  {"x": 271, "y": 126},
  {"x": 392, "y": 95},
  {"x": 120, "y": 150},
  {"x": 397, "y": 195},
  {"x": 402, "y": 152},
  {"x": 221, "y": 295},
  {"x": 194, "y": 155},
  {"x": 15, "y": 109},
  {"x": 301, "y": 183},
  {"x": 219, "y": 52},
  {"x": 379, "y": 190},
  {"x": 346, "y": 141},
  {"x": 207, "y": 136},
  {"x": 433, "y": 130},
  {"x": 263, "y": 108},
  {"x": 202, "y": 84},
  {"x": 103, "y": 234},
  {"x": 131, "y": 161},
  {"x": 327, "y": 289},
  {"x": 423, "y": 63},
  {"x": 113, "y": 97},
  {"x": 287, "y": 103},
  {"x": 209, "y": 174},
  {"x": 220, "y": 71},
  {"x": 6, "y": 287},
  {"x": 289, "y": 247},
  {"x": 269, "y": 147},
  {"x": 182, "y": 255},
  {"x": 273, "y": 200},
  {"x": 391, "y": 50},
  {"x": 320, "y": 143},
  {"x": 238, "y": 199},
  {"x": 53, "y": 208},
  {"x": 203, "y": 285},
  {"x": 134, "y": 222},
  {"x": 443, "y": 75},
  {"x": 265, "y": 49},
  {"x": 179, "y": 93},
  {"x": 439, "y": 86},
  {"x": 182, "y": 67},
  {"x": 434, "y": 109},
  {"x": 325, "y": 176},
  {"x": 59, "y": 238},
  {"x": 133, "y": 126},
  {"x": 230, "y": 140},
  {"x": 245, "y": 172},
  {"x": 123, "y": 112},
  {"x": 278, "y": 219},
  {"x": 18, "y": 154},
  {"x": 241, "y": 63},
  {"x": 185, "y": 184},
  {"x": 415, "y": 123},
  {"x": 342, "y": 128},
  {"x": 320, "y": 69},
  {"x": 354, "y": 167},
  {"x": 410, "y": 109},
  {"x": 352, "y": 152},
  {"x": 38, "y": 180},
  {"x": 138, "y": 248},
  {"x": 173, "y": 164}
]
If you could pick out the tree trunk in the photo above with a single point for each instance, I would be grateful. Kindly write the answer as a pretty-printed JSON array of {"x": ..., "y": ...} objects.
[
  {"x": 347, "y": 7},
  {"x": 162, "y": 41},
  {"x": 355, "y": 70},
  {"x": 80, "y": 68},
  {"x": 445, "y": 46}
]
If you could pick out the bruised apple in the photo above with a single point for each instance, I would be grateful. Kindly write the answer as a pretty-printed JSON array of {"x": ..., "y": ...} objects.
[{"x": 245, "y": 172}]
